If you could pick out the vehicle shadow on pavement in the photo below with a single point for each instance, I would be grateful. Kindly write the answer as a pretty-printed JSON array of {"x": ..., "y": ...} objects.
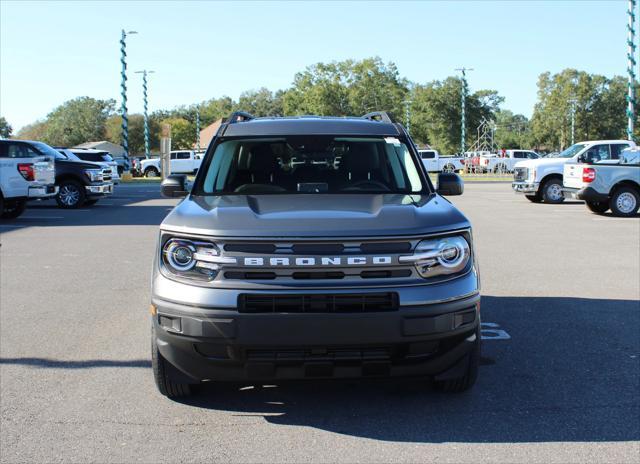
[
  {"x": 570, "y": 371},
  {"x": 83, "y": 364}
]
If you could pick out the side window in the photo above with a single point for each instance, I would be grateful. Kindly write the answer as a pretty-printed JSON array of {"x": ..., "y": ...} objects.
[
  {"x": 616, "y": 149},
  {"x": 3, "y": 150},
  {"x": 519, "y": 154},
  {"x": 532, "y": 155},
  {"x": 174, "y": 156},
  {"x": 597, "y": 153},
  {"x": 21, "y": 150},
  {"x": 184, "y": 155}
]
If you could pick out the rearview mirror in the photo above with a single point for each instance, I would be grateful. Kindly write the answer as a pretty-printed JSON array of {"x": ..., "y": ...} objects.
[
  {"x": 450, "y": 184},
  {"x": 174, "y": 186}
]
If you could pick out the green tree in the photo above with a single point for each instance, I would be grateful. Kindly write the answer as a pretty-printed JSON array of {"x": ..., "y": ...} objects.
[
  {"x": 512, "y": 130},
  {"x": 183, "y": 133},
  {"x": 5, "y": 128},
  {"x": 436, "y": 110},
  {"x": 33, "y": 131},
  {"x": 261, "y": 102},
  {"x": 346, "y": 88},
  {"x": 136, "y": 132},
  {"x": 79, "y": 120}
]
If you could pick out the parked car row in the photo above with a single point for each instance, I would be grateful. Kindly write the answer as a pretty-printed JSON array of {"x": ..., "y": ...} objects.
[
  {"x": 31, "y": 170},
  {"x": 603, "y": 173}
]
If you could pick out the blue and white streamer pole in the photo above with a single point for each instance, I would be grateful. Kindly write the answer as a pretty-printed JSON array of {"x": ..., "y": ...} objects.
[
  {"x": 463, "y": 100},
  {"x": 146, "y": 113},
  {"x": 631, "y": 67},
  {"x": 198, "y": 128},
  {"x": 123, "y": 93}
]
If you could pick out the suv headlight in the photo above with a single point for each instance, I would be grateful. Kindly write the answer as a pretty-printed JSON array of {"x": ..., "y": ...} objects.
[
  {"x": 440, "y": 256},
  {"x": 191, "y": 259},
  {"x": 94, "y": 175}
]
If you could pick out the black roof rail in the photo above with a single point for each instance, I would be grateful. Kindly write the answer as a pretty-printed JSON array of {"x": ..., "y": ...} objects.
[
  {"x": 239, "y": 116},
  {"x": 382, "y": 116}
]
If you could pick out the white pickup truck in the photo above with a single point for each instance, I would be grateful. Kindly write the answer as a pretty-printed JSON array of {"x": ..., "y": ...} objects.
[
  {"x": 541, "y": 179},
  {"x": 505, "y": 161},
  {"x": 434, "y": 162},
  {"x": 25, "y": 174},
  {"x": 182, "y": 162}
]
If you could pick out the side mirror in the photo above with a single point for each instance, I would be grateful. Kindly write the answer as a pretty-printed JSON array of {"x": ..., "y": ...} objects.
[
  {"x": 174, "y": 186},
  {"x": 450, "y": 184}
]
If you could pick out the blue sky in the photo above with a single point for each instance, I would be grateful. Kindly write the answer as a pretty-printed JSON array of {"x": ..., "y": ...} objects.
[{"x": 53, "y": 51}]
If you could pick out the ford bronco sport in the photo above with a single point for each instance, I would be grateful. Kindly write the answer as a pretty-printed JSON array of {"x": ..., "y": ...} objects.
[{"x": 314, "y": 247}]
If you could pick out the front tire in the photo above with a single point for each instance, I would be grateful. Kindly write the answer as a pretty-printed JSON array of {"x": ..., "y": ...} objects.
[
  {"x": 625, "y": 202},
  {"x": 71, "y": 195},
  {"x": 597, "y": 207},
  {"x": 468, "y": 379},
  {"x": 151, "y": 172},
  {"x": 12, "y": 210},
  {"x": 160, "y": 366},
  {"x": 552, "y": 191}
]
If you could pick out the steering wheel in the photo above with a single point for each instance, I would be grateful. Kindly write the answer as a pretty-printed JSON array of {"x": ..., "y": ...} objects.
[{"x": 371, "y": 183}]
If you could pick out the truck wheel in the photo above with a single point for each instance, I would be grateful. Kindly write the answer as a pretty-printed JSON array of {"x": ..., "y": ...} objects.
[
  {"x": 552, "y": 191},
  {"x": 71, "y": 194},
  {"x": 151, "y": 172},
  {"x": 90, "y": 202},
  {"x": 160, "y": 367},
  {"x": 12, "y": 210},
  {"x": 533, "y": 198},
  {"x": 597, "y": 207},
  {"x": 468, "y": 379},
  {"x": 625, "y": 202},
  {"x": 449, "y": 168}
]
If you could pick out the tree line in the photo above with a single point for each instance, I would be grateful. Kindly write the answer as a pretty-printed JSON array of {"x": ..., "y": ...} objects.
[{"x": 351, "y": 87}]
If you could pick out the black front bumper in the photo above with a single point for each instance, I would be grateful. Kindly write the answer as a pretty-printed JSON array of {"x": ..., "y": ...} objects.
[{"x": 227, "y": 345}]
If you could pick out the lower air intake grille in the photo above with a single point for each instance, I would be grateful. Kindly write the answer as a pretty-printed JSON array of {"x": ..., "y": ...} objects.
[{"x": 323, "y": 303}]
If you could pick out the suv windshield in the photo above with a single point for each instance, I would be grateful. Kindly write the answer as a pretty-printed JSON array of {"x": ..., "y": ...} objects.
[
  {"x": 311, "y": 164},
  {"x": 569, "y": 152}
]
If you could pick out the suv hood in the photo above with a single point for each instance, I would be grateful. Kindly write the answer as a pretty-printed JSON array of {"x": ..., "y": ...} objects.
[{"x": 330, "y": 215}]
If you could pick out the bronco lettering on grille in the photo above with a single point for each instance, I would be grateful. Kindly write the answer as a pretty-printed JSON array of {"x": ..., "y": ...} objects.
[{"x": 318, "y": 261}]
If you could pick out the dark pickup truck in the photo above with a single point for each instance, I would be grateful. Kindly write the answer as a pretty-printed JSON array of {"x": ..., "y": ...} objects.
[{"x": 314, "y": 247}]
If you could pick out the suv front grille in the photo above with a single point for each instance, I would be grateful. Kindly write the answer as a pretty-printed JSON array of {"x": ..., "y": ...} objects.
[
  {"x": 320, "y": 303},
  {"x": 106, "y": 174},
  {"x": 520, "y": 174}
]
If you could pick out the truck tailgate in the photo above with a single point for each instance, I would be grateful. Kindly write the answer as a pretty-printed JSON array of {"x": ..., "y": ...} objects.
[
  {"x": 44, "y": 171},
  {"x": 572, "y": 176}
]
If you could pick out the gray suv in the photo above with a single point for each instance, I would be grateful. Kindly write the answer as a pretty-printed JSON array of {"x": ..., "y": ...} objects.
[{"x": 314, "y": 247}]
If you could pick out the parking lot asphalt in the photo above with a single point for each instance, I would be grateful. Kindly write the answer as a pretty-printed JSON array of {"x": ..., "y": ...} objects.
[{"x": 559, "y": 380}]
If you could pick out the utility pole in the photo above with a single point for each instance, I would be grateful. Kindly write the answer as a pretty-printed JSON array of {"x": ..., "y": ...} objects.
[
  {"x": 573, "y": 120},
  {"x": 198, "y": 127},
  {"x": 631, "y": 66},
  {"x": 144, "y": 73},
  {"x": 123, "y": 93},
  {"x": 407, "y": 115},
  {"x": 463, "y": 98}
]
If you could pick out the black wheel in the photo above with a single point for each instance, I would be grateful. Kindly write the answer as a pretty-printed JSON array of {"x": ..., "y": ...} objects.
[
  {"x": 552, "y": 191},
  {"x": 470, "y": 373},
  {"x": 598, "y": 207},
  {"x": 161, "y": 368},
  {"x": 625, "y": 202},
  {"x": 90, "y": 202},
  {"x": 11, "y": 210},
  {"x": 533, "y": 198},
  {"x": 71, "y": 194},
  {"x": 151, "y": 172}
]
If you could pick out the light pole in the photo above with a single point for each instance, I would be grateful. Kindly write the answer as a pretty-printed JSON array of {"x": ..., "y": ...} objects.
[
  {"x": 631, "y": 65},
  {"x": 463, "y": 98},
  {"x": 144, "y": 73},
  {"x": 407, "y": 114},
  {"x": 198, "y": 127},
  {"x": 123, "y": 93},
  {"x": 573, "y": 120}
]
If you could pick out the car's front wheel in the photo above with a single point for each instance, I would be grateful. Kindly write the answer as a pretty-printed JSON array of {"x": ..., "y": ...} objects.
[
  {"x": 468, "y": 371},
  {"x": 552, "y": 191},
  {"x": 598, "y": 207},
  {"x": 151, "y": 172},
  {"x": 161, "y": 373},
  {"x": 71, "y": 194}
]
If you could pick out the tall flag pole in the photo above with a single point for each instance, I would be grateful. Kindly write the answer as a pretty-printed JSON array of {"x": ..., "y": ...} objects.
[
  {"x": 631, "y": 67},
  {"x": 123, "y": 93},
  {"x": 146, "y": 113},
  {"x": 463, "y": 100},
  {"x": 198, "y": 127}
]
